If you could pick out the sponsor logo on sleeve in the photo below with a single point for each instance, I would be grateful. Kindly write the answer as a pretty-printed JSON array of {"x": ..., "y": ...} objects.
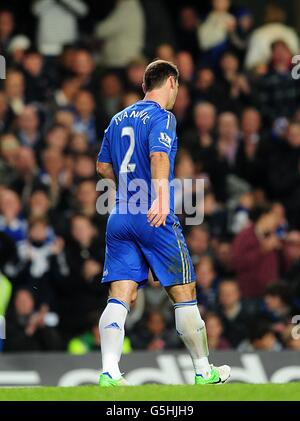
[{"x": 165, "y": 139}]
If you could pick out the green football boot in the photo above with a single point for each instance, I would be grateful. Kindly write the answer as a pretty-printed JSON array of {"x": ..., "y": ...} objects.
[
  {"x": 218, "y": 375},
  {"x": 105, "y": 380}
]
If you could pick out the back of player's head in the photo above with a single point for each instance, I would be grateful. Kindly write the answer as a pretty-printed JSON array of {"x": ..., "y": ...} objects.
[{"x": 157, "y": 73}]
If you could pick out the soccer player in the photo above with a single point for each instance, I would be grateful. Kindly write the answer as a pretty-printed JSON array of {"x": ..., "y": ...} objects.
[{"x": 138, "y": 150}]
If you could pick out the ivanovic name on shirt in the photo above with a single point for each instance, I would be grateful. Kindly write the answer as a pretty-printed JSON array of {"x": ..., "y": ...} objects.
[{"x": 143, "y": 115}]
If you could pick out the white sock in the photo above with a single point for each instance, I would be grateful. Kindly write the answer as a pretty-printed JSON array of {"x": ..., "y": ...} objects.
[
  {"x": 191, "y": 329},
  {"x": 111, "y": 326}
]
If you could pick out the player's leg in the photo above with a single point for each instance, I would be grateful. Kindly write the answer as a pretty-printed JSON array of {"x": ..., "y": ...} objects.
[
  {"x": 168, "y": 256},
  {"x": 121, "y": 295},
  {"x": 191, "y": 329},
  {"x": 190, "y": 326},
  {"x": 124, "y": 270}
]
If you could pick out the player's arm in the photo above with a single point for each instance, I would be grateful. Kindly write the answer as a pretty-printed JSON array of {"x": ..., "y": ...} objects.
[
  {"x": 161, "y": 139},
  {"x": 105, "y": 170},
  {"x": 160, "y": 170},
  {"x": 104, "y": 166}
]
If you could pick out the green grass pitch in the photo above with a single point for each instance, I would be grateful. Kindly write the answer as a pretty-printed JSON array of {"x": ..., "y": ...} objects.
[{"x": 229, "y": 392}]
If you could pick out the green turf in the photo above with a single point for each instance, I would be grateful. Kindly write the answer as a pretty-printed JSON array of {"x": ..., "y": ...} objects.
[{"x": 229, "y": 392}]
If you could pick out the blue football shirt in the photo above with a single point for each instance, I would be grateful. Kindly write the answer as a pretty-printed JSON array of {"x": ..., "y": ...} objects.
[{"x": 131, "y": 136}]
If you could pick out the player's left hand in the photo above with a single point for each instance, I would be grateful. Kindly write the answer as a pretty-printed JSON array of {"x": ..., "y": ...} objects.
[{"x": 158, "y": 213}]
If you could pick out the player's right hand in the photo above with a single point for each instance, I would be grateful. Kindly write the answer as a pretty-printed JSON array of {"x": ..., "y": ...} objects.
[{"x": 158, "y": 213}]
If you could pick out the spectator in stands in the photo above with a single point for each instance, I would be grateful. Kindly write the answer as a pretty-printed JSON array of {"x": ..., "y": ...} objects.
[
  {"x": 85, "y": 119},
  {"x": 78, "y": 290},
  {"x": 84, "y": 168},
  {"x": 290, "y": 340},
  {"x": 27, "y": 172},
  {"x": 255, "y": 253},
  {"x": 64, "y": 118},
  {"x": 206, "y": 284},
  {"x": 227, "y": 142},
  {"x": 207, "y": 88},
  {"x": 213, "y": 33},
  {"x": 186, "y": 67},
  {"x": 233, "y": 312},
  {"x": 110, "y": 95},
  {"x": 156, "y": 298},
  {"x": 291, "y": 253},
  {"x": 11, "y": 221},
  {"x": 130, "y": 98},
  {"x": 28, "y": 326},
  {"x": 14, "y": 89},
  {"x": 252, "y": 149},
  {"x": 78, "y": 143},
  {"x": 198, "y": 240},
  {"x": 157, "y": 30},
  {"x": 134, "y": 75},
  {"x": 123, "y": 33},
  {"x": 200, "y": 139},
  {"x": 57, "y": 23},
  {"x": 9, "y": 152},
  {"x": 284, "y": 175},
  {"x": 261, "y": 338},
  {"x": 39, "y": 261},
  {"x": 235, "y": 84},
  {"x": 82, "y": 63},
  {"x": 223, "y": 255},
  {"x": 220, "y": 163},
  {"x": 273, "y": 29},
  {"x": 6, "y": 114},
  {"x": 7, "y": 26},
  {"x": 37, "y": 84},
  {"x": 65, "y": 95},
  {"x": 6, "y": 293},
  {"x": 18, "y": 45},
  {"x": 85, "y": 203},
  {"x": 57, "y": 137},
  {"x": 277, "y": 92},
  {"x": 166, "y": 52},
  {"x": 239, "y": 39},
  {"x": 277, "y": 307},
  {"x": 7, "y": 249},
  {"x": 153, "y": 334},
  {"x": 55, "y": 177},
  {"x": 241, "y": 213},
  {"x": 182, "y": 111},
  {"x": 215, "y": 216},
  {"x": 187, "y": 37},
  {"x": 28, "y": 127},
  {"x": 215, "y": 337},
  {"x": 39, "y": 204}
]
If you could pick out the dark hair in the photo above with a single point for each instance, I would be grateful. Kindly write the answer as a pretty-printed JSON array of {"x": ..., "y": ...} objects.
[
  {"x": 258, "y": 211},
  {"x": 158, "y": 72},
  {"x": 36, "y": 220},
  {"x": 55, "y": 126},
  {"x": 258, "y": 328},
  {"x": 32, "y": 51},
  {"x": 279, "y": 42},
  {"x": 81, "y": 216},
  {"x": 281, "y": 290}
]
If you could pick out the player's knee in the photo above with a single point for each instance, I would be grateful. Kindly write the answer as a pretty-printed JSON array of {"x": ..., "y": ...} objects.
[
  {"x": 133, "y": 297},
  {"x": 182, "y": 293}
]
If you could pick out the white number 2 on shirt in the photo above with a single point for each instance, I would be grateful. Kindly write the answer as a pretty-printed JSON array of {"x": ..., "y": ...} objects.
[{"x": 126, "y": 166}]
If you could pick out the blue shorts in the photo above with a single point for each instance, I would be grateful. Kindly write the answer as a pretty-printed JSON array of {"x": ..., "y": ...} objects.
[{"x": 133, "y": 247}]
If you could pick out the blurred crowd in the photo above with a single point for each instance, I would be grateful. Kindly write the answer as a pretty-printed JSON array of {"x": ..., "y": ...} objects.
[{"x": 238, "y": 123}]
